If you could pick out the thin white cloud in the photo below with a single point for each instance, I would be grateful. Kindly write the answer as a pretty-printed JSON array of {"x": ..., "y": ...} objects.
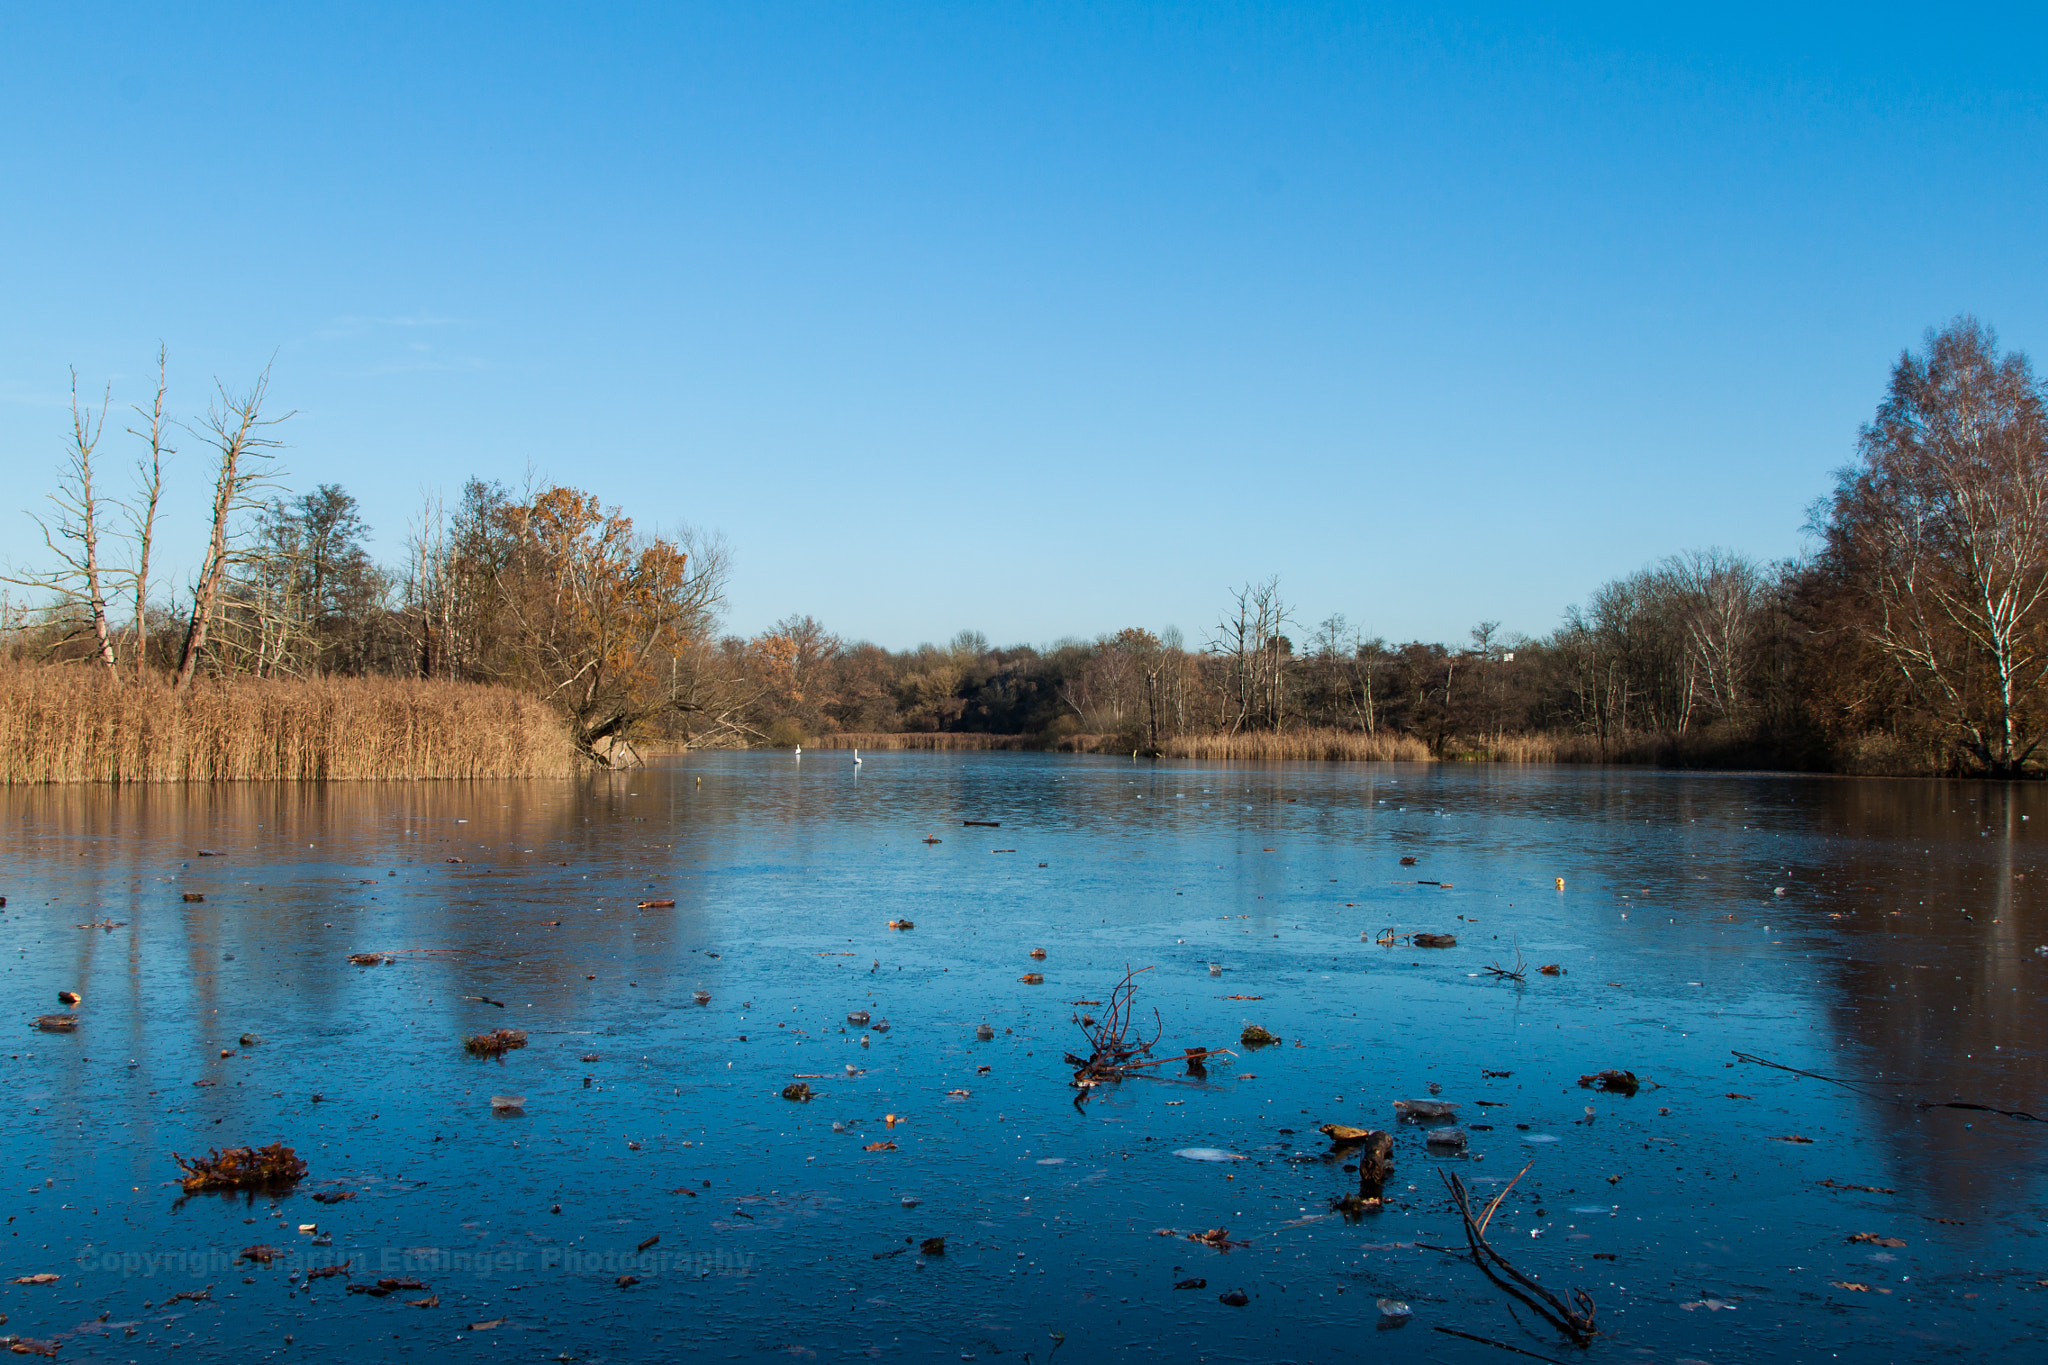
[
  {"x": 16, "y": 393},
  {"x": 416, "y": 364},
  {"x": 353, "y": 325}
]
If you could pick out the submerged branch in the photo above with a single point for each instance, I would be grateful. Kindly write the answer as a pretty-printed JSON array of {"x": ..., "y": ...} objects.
[
  {"x": 1576, "y": 1323},
  {"x": 1867, "y": 1090}
]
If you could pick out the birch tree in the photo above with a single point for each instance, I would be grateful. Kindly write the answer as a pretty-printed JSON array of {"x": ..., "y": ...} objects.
[
  {"x": 1719, "y": 598},
  {"x": 1941, "y": 531}
]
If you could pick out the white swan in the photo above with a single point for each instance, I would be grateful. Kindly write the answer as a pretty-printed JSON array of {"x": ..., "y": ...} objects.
[
  {"x": 799, "y": 751},
  {"x": 856, "y": 758}
]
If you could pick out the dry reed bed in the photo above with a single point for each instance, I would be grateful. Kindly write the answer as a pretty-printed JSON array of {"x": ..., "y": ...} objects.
[
  {"x": 1550, "y": 746},
  {"x": 1302, "y": 745},
  {"x": 1635, "y": 749},
  {"x": 74, "y": 724},
  {"x": 918, "y": 739},
  {"x": 1312, "y": 745}
]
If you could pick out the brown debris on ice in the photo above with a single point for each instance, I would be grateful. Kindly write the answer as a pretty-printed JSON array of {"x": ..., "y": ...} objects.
[
  {"x": 241, "y": 1168},
  {"x": 496, "y": 1043}
]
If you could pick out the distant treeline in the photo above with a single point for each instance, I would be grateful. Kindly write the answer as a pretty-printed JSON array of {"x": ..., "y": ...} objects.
[{"x": 1914, "y": 639}]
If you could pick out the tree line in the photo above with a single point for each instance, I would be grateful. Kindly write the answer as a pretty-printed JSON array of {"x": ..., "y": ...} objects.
[{"x": 1913, "y": 637}]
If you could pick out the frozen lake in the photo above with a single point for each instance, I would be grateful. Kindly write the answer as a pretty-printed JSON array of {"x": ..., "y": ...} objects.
[{"x": 1888, "y": 934}]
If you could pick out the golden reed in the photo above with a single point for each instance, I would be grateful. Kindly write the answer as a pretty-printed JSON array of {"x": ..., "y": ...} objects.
[
  {"x": 71, "y": 723},
  {"x": 1303, "y": 745},
  {"x": 1295, "y": 744},
  {"x": 880, "y": 740},
  {"x": 1567, "y": 746},
  {"x": 1548, "y": 746},
  {"x": 1310, "y": 745}
]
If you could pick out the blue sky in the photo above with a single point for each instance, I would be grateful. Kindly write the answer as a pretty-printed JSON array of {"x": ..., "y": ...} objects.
[{"x": 1033, "y": 319}]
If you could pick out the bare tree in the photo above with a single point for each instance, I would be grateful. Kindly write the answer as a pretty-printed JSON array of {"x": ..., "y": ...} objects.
[
  {"x": 74, "y": 536},
  {"x": 1118, "y": 691},
  {"x": 1170, "y": 682},
  {"x": 1719, "y": 597},
  {"x": 1236, "y": 640},
  {"x": 1272, "y": 616},
  {"x": 1367, "y": 659},
  {"x": 1941, "y": 531},
  {"x": 1248, "y": 639},
  {"x": 142, "y": 515},
  {"x": 1157, "y": 664},
  {"x": 1349, "y": 665},
  {"x": 263, "y": 624},
  {"x": 1489, "y": 650},
  {"x": 235, "y": 427},
  {"x": 305, "y": 597},
  {"x": 1594, "y": 649},
  {"x": 424, "y": 585}
]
